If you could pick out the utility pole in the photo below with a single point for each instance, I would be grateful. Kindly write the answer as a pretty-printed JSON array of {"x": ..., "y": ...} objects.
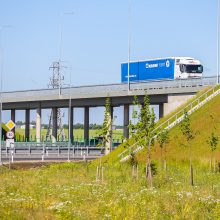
[
  {"x": 129, "y": 42},
  {"x": 56, "y": 83},
  {"x": 217, "y": 81},
  {"x": 1, "y": 78}
]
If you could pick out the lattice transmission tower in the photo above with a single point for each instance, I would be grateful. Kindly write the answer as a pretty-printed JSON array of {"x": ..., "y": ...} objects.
[{"x": 56, "y": 83}]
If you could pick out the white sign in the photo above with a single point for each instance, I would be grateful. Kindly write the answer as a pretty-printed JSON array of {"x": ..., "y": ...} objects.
[
  {"x": 10, "y": 143},
  {"x": 10, "y": 134}
]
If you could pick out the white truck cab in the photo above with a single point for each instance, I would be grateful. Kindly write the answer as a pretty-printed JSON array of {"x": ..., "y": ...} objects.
[{"x": 187, "y": 67}]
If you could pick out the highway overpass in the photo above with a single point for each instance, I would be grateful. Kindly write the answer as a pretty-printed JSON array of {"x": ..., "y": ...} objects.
[{"x": 168, "y": 95}]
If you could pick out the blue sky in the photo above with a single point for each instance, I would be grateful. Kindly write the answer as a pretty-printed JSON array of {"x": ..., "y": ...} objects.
[{"x": 95, "y": 37}]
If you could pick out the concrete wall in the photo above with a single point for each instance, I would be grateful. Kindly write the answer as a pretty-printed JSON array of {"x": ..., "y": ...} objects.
[{"x": 174, "y": 102}]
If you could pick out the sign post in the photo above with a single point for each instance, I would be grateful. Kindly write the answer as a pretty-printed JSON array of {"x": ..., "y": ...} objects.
[{"x": 10, "y": 140}]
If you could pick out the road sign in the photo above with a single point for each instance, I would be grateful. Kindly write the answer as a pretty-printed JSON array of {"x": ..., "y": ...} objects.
[
  {"x": 10, "y": 143},
  {"x": 10, "y": 134},
  {"x": 10, "y": 125}
]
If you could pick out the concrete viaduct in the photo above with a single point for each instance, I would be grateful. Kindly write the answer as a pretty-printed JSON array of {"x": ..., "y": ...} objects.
[{"x": 169, "y": 95}]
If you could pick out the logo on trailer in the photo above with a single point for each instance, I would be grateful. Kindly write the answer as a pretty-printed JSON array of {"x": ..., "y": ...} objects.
[
  {"x": 167, "y": 63},
  {"x": 154, "y": 65}
]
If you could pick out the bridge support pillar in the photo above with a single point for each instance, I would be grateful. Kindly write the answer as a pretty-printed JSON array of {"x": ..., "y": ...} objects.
[
  {"x": 54, "y": 127},
  {"x": 38, "y": 125},
  {"x": 126, "y": 121},
  {"x": 13, "y": 118},
  {"x": 161, "y": 110},
  {"x": 71, "y": 124},
  {"x": 27, "y": 124},
  {"x": 86, "y": 125}
]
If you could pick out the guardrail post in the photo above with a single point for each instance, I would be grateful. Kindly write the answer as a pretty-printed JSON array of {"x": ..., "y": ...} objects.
[
  {"x": 42, "y": 155},
  {"x": 73, "y": 149},
  {"x": 12, "y": 156},
  {"x": 29, "y": 149},
  {"x": 87, "y": 151},
  {"x": 58, "y": 148},
  {"x": 84, "y": 155},
  {"x": 47, "y": 153}
]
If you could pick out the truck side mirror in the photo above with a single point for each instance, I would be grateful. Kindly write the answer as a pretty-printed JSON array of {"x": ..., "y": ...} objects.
[{"x": 201, "y": 69}]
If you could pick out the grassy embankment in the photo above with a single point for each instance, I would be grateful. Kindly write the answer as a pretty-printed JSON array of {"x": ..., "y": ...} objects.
[{"x": 70, "y": 191}]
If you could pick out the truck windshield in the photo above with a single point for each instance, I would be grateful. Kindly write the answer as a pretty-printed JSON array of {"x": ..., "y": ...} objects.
[{"x": 194, "y": 68}]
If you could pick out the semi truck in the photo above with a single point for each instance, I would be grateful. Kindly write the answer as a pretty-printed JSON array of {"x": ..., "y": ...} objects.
[{"x": 162, "y": 69}]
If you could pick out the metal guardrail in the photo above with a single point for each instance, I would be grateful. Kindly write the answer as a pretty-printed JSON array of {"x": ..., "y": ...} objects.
[
  {"x": 47, "y": 151},
  {"x": 177, "y": 117},
  {"x": 58, "y": 147},
  {"x": 98, "y": 90}
]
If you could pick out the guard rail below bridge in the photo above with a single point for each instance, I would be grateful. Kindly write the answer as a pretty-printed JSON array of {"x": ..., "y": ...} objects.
[{"x": 50, "y": 151}]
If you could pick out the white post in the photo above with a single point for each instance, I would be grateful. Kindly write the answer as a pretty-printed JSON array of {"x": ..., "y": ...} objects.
[
  {"x": 129, "y": 43},
  {"x": 1, "y": 73},
  {"x": 70, "y": 112},
  {"x": 218, "y": 42},
  {"x": 43, "y": 152},
  {"x": 12, "y": 156}
]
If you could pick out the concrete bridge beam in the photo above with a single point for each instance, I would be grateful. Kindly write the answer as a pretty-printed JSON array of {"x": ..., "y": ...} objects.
[
  {"x": 71, "y": 124},
  {"x": 86, "y": 125},
  {"x": 161, "y": 111},
  {"x": 38, "y": 125},
  {"x": 54, "y": 127},
  {"x": 27, "y": 124},
  {"x": 126, "y": 121}
]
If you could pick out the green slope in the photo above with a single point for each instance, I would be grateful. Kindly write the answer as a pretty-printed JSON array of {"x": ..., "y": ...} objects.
[
  {"x": 203, "y": 122},
  {"x": 202, "y": 125}
]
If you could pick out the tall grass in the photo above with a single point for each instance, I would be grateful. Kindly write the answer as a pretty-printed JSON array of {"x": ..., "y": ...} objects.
[{"x": 69, "y": 191}]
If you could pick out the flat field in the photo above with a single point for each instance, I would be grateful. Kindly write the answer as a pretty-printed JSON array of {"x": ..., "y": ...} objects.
[
  {"x": 72, "y": 191},
  {"x": 78, "y": 133}
]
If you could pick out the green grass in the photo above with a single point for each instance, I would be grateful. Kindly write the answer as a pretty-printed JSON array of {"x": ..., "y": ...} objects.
[
  {"x": 78, "y": 134},
  {"x": 70, "y": 190},
  {"x": 202, "y": 124}
]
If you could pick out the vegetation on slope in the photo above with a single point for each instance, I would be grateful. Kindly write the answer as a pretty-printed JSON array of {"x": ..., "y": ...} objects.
[
  {"x": 72, "y": 191},
  {"x": 204, "y": 121}
]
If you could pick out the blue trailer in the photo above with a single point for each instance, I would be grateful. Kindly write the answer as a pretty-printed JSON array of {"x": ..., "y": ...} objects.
[{"x": 162, "y": 69}]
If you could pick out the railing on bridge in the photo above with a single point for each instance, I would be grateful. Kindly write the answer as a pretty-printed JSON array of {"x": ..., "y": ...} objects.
[{"x": 97, "y": 90}]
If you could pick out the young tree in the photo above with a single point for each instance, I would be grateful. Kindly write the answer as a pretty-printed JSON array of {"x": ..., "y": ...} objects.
[
  {"x": 187, "y": 132},
  {"x": 213, "y": 142},
  {"x": 106, "y": 130},
  {"x": 133, "y": 123},
  {"x": 143, "y": 132},
  {"x": 163, "y": 139}
]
